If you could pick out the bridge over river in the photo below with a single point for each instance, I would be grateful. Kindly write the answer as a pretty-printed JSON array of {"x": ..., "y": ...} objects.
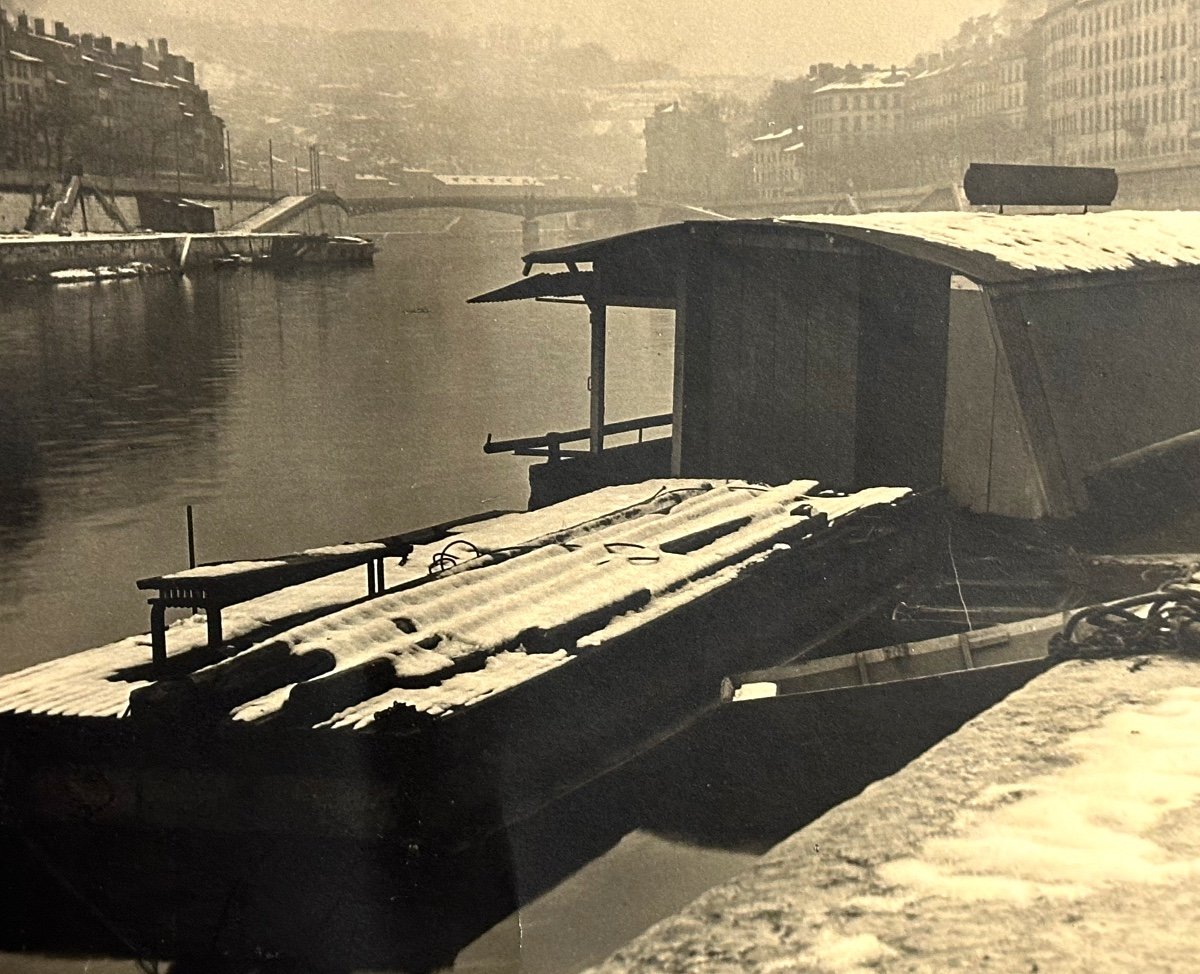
[{"x": 529, "y": 208}]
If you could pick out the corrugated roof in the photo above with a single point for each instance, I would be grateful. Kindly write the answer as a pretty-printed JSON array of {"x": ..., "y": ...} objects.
[
  {"x": 529, "y": 593},
  {"x": 989, "y": 248}
]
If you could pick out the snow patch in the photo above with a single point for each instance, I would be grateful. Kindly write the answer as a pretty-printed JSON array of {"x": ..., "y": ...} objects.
[
  {"x": 345, "y": 549},
  {"x": 226, "y": 568},
  {"x": 838, "y": 954},
  {"x": 1068, "y": 833}
]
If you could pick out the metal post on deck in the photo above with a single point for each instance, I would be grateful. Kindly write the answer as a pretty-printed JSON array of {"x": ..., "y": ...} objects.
[
  {"x": 599, "y": 320},
  {"x": 229, "y": 170}
]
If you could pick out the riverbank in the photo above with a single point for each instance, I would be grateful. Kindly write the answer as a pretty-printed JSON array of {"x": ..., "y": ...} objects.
[
  {"x": 50, "y": 257},
  {"x": 1055, "y": 832}
]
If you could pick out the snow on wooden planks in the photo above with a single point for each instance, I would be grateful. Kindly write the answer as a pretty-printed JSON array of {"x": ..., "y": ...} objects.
[{"x": 529, "y": 591}]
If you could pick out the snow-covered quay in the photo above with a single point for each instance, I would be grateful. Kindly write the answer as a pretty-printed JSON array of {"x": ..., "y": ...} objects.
[{"x": 1058, "y": 831}]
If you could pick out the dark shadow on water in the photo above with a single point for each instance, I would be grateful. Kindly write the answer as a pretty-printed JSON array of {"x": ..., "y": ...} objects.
[{"x": 742, "y": 779}]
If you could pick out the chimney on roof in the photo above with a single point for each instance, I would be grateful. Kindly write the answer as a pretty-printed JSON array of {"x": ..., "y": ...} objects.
[
  {"x": 60, "y": 31},
  {"x": 104, "y": 43},
  {"x": 39, "y": 26},
  {"x": 23, "y": 22},
  {"x": 869, "y": 67},
  {"x": 87, "y": 42},
  {"x": 163, "y": 50}
]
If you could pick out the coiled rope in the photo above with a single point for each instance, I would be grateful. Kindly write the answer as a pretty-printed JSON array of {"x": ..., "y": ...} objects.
[{"x": 1166, "y": 620}]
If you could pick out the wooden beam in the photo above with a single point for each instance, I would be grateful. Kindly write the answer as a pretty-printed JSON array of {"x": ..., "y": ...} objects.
[
  {"x": 692, "y": 391},
  {"x": 1016, "y": 350},
  {"x": 599, "y": 321}
]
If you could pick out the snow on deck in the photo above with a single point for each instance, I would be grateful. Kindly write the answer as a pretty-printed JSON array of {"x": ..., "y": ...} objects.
[
  {"x": 1063, "y": 243},
  {"x": 498, "y": 602}
]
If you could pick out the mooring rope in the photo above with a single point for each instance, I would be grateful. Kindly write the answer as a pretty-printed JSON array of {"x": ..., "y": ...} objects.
[{"x": 1166, "y": 620}]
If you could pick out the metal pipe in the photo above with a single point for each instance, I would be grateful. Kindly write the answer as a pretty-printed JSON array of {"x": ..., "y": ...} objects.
[{"x": 571, "y": 436}]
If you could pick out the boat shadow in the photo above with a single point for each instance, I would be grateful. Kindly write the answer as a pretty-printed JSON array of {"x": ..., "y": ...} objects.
[{"x": 742, "y": 778}]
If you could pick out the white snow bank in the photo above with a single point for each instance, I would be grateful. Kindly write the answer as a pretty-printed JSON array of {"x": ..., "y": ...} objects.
[{"x": 1067, "y": 833}]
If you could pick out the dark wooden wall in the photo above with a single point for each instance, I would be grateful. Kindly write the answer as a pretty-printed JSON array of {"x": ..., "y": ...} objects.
[
  {"x": 770, "y": 346},
  {"x": 810, "y": 363},
  {"x": 905, "y": 314},
  {"x": 1118, "y": 366}
]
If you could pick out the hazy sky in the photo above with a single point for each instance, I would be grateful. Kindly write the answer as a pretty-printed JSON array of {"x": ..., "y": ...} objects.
[{"x": 776, "y": 37}]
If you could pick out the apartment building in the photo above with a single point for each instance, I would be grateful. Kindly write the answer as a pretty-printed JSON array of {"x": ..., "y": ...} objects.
[
  {"x": 777, "y": 170},
  {"x": 1118, "y": 79}
]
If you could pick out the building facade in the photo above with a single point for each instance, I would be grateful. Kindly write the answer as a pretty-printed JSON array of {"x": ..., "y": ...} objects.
[
  {"x": 687, "y": 156},
  {"x": 973, "y": 104},
  {"x": 777, "y": 170},
  {"x": 1118, "y": 79},
  {"x": 865, "y": 106},
  {"x": 80, "y": 102}
]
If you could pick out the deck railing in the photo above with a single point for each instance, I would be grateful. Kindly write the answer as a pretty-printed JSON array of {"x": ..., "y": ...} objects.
[{"x": 550, "y": 445}]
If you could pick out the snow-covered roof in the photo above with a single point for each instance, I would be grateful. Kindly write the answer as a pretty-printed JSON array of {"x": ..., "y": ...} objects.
[
  {"x": 988, "y": 248},
  {"x": 794, "y": 148},
  {"x": 870, "y": 81},
  {"x": 991, "y": 246},
  {"x": 775, "y": 136},
  {"x": 27, "y": 58}
]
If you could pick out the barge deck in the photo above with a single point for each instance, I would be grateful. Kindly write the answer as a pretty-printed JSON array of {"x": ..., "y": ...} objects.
[{"x": 505, "y": 665}]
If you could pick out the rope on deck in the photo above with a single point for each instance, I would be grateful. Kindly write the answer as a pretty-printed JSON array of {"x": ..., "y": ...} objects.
[{"x": 1165, "y": 621}]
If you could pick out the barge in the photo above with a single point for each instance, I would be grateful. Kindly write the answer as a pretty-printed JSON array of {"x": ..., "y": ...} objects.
[{"x": 480, "y": 673}]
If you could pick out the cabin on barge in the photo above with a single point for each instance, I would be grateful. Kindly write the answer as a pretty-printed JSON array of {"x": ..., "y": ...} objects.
[{"x": 1037, "y": 366}]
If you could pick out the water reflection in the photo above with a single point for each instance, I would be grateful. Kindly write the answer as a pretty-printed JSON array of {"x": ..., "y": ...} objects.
[{"x": 106, "y": 389}]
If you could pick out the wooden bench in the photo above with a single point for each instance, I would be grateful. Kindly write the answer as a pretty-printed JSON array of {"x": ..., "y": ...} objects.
[{"x": 214, "y": 586}]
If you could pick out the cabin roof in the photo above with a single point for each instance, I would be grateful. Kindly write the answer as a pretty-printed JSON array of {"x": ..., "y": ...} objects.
[{"x": 989, "y": 248}]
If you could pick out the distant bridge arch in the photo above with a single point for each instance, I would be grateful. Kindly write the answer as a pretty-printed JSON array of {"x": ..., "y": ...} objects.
[{"x": 529, "y": 207}]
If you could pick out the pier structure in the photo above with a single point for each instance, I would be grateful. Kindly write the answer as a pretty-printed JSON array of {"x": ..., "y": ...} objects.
[{"x": 281, "y": 212}]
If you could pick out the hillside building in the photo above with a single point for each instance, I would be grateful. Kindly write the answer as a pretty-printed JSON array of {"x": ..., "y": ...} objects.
[
  {"x": 1118, "y": 79},
  {"x": 864, "y": 106},
  {"x": 83, "y": 102}
]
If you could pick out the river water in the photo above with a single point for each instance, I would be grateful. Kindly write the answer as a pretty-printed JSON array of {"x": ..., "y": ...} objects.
[{"x": 293, "y": 411}]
